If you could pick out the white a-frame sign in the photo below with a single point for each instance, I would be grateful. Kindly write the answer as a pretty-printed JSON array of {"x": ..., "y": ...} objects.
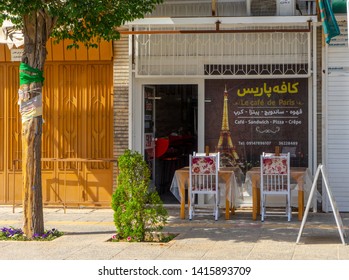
[{"x": 332, "y": 201}]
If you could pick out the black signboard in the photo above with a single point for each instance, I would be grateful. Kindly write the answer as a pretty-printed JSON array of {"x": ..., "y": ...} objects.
[{"x": 244, "y": 118}]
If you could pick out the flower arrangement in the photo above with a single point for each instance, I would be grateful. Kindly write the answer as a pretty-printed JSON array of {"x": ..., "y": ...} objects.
[{"x": 11, "y": 233}]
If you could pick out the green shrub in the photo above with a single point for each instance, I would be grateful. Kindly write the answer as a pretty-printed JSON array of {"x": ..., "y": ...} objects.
[{"x": 137, "y": 207}]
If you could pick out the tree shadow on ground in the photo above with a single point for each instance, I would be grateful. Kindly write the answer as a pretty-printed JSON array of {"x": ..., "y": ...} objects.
[{"x": 320, "y": 228}]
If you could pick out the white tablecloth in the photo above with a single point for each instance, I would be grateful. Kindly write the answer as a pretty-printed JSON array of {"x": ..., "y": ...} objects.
[
  {"x": 230, "y": 184},
  {"x": 275, "y": 201}
]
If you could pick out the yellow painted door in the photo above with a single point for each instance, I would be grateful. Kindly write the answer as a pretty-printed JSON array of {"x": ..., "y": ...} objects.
[{"x": 77, "y": 130}]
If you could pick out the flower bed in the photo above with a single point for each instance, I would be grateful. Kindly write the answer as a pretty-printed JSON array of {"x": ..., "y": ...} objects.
[
  {"x": 11, "y": 233},
  {"x": 160, "y": 237}
]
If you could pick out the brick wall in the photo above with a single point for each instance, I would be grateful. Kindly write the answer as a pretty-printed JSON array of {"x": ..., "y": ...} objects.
[{"x": 121, "y": 97}]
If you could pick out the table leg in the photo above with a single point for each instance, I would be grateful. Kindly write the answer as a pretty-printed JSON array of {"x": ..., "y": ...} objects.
[
  {"x": 300, "y": 204},
  {"x": 228, "y": 199},
  {"x": 259, "y": 201},
  {"x": 256, "y": 198},
  {"x": 232, "y": 199},
  {"x": 227, "y": 209},
  {"x": 254, "y": 203},
  {"x": 182, "y": 213},
  {"x": 300, "y": 182}
]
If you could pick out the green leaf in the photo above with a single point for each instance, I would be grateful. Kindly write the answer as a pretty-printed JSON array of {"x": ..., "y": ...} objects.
[{"x": 79, "y": 20}]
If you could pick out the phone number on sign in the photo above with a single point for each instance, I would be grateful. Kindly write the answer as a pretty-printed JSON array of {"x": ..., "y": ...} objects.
[{"x": 225, "y": 270}]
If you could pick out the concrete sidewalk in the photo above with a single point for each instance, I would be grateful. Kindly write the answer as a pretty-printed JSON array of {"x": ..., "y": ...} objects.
[{"x": 240, "y": 238}]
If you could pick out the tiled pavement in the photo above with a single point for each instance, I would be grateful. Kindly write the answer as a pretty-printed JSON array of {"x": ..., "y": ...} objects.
[{"x": 240, "y": 238}]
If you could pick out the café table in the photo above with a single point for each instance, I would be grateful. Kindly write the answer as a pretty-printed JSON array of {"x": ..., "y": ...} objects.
[
  {"x": 300, "y": 175},
  {"x": 226, "y": 175}
]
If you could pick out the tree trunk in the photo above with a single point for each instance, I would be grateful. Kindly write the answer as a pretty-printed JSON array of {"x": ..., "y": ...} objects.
[
  {"x": 37, "y": 27},
  {"x": 32, "y": 191}
]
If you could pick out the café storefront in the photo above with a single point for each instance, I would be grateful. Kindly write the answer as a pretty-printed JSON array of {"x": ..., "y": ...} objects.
[{"x": 252, "y": 88}]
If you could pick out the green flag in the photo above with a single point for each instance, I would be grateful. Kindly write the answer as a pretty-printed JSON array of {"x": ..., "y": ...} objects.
[{"x": 329, "y": 23}]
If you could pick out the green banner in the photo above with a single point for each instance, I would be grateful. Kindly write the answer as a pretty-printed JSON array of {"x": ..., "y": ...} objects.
[
  {"x": 329, "y": 23},
  {"x": 339, "y": 6}
]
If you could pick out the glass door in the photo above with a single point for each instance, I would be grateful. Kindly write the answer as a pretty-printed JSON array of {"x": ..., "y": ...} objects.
[{"x": 170, "y": 131}]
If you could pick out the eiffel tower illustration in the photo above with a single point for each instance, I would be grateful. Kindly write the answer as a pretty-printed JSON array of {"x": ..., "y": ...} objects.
[{"x": 228, "y": 154}]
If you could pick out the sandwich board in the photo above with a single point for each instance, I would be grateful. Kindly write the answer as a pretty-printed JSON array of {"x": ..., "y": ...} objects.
[{"x": 336, "y": 214}]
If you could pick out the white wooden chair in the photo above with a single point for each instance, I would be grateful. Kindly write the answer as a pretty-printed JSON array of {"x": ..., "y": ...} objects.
[
  {"x": 203, "y": 179},
  {"x": 275, "y": 181},
  {"x": 210, "y": 154}
]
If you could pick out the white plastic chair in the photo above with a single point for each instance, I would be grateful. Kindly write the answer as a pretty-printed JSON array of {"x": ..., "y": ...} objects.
[
  {"x": 275, "y": 181},
  {"x": 203, "y": 179}
]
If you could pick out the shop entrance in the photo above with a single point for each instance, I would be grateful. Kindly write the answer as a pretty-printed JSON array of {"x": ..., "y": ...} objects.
[{"x": 170, "y": 131}]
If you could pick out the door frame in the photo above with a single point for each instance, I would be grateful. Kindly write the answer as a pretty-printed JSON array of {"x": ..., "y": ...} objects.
[{"x": 153, "y": 115}]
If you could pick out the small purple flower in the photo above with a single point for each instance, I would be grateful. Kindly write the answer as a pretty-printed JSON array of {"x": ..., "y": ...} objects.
[
  {"x": 129, "y": 238},
  {"x": 15, "y": 233},
  {"x": 11, "y": 232}
]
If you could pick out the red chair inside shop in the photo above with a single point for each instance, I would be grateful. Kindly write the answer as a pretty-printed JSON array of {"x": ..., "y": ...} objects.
[{"x": 161, "y": 146}]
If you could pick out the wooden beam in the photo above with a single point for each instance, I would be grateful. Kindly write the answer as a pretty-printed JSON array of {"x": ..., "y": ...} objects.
[
  {"x": 217, "y": 30},
  {"x": 214, "y": 8}
]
